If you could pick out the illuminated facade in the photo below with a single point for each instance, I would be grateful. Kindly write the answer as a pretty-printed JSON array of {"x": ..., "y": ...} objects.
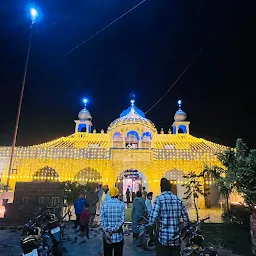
[{"x": 131, "y": 143}]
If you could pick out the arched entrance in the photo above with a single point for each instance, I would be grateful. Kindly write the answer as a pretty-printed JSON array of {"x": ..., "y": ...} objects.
[
  {"x": 88, "y": 176},
  {"x": 132, "y": 180},
  {"x": 46, "y": 174},
  {"x": 177, "y": 180}
]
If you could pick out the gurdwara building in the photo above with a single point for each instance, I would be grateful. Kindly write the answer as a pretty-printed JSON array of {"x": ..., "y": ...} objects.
[{"x": 130, "y": 154}]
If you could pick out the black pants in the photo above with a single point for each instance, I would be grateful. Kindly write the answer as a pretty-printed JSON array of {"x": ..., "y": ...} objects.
[
  {"x": 77, "y": 220},
  {"x": 92, "y": 218},
  {"x": 85, "y": 229},
  {"x": 117, "y": 247},
  {"x": 162, "y": 250}
]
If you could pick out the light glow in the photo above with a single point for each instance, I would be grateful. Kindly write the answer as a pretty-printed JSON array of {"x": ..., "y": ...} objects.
[
  {"x": 85, "y": 101},
  {"x": 33, "y": 14}
]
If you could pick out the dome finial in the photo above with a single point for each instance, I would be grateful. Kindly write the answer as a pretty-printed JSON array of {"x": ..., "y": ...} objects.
[
  {"x": 179, "y": 104},
  {"x": 132, "y": 99},
  {"x": 85, "y": 101},
  {"x": 180, "y": 115}
]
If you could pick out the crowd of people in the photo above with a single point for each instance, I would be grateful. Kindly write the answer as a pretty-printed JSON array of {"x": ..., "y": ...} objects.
[{"x": 167, "y": 213}]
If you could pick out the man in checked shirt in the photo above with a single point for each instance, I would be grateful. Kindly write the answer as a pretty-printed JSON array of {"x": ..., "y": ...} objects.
[
  {"x": 112, "y": 217},
  {"x": 168, "y": 210}
]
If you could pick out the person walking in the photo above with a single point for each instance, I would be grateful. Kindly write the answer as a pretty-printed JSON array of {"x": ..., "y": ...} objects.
[
  {"x": 112, "y": 217},
  {"x": 138, "y": 210},
  {"x": 144, "y": 193},
  {"x": 148, "y": 203},
  {"x": 79, "y": 206},
  {"x": 168, "y": 210},
  {"x": 128, "y": 196}
]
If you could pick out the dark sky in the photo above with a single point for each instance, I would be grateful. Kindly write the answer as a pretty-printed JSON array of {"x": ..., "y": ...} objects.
[{"x": 144, "y": 53}]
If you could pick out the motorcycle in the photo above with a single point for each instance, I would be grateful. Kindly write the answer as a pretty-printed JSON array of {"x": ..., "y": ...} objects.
[
  {"x": 147, "y": 235},
  {"x": 194, "y": 241},
  {"x": 42, "y": 237}
]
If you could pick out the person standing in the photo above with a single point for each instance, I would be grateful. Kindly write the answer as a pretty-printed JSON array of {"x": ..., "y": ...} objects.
[
  {"x": 100, "y": 194},
  {"x": 138, "y": 210},
  {"x": 92, "y": 199},
  {"x": 107, "y": 196},
  {"x": 168, "y": 209},
  {"x": 112, "y": 217},
  {"x": 79, "y": 206},
  {"x": 128, "y": 196},
  {"x": 144, "y": 193},
  {"x": 84, "y": 221},
  {"x": 148, "y": 203}
]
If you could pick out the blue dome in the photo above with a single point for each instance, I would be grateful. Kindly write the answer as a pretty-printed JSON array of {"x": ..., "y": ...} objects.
[
  {"x": 130, "y": 109},
  {"x": 132, "y": 115}
]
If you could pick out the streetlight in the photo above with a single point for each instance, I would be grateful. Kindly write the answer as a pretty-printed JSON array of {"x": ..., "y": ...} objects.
[{"x": 33, "y": 16}]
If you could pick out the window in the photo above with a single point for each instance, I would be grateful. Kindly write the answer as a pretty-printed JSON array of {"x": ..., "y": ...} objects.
[
  {"x": 25, "y": 200},
  {"x": 55, "y": 201},
  {"x": 41, "y": 200},
  {"x": 14, "y": 171}
]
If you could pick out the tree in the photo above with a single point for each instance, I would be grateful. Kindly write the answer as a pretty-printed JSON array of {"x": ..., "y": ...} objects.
[
  {"x": 72, "y": 189},
  {"x": 246, "y": 173},
  {"x": 194, "y": 189},
  {"x": 224, "y": 183},
  {"x": 238, "y": 171}
]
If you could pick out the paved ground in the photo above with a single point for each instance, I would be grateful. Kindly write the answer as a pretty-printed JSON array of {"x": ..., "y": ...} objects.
[
  {"x": 10, "y": 245},
  {"x": 10, "y": 242}
]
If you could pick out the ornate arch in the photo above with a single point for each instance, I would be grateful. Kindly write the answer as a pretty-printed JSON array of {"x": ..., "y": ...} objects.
[
  {"x": 146, "y": 139},
  {"x": 46, "y": 174},
  {"x": 117, "y": 140},
  {"x": 88, "y": 175},
  {"x": 177, "y": 180},
  {"x": 132, "y": 139}
]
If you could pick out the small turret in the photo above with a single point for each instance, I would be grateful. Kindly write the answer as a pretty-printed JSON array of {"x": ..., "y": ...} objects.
[
  {"x": 84, "y": 124},
  {"x": 180, "y": 124}
]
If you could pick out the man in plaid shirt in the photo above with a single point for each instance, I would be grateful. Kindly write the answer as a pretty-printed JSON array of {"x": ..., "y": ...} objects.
[
  {"x": 168, "y": 210},
  {"x": 112, "y": 217}
]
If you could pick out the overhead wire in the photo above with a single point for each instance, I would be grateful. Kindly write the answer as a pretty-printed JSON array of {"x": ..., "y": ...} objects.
[
  {"x": 95, "y": 34},
  {"x": 104, "y": 28},
  {"x": 182, "y": 73}
]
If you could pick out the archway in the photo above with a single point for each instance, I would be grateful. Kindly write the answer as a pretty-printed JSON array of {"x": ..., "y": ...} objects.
[
  {"x": 146, "y": 140},
  {"x": 177, "y": 180},
  {"x": 182, "y": 128},
  {"x": 132, "y": 139},
  {"x": 211, "y": 190},
  {"x": 117, "y": 140},
  {"x": 133, "y": 180},
  {"x": 46, "y": 174},
  {"x": 88, "y": 176}
]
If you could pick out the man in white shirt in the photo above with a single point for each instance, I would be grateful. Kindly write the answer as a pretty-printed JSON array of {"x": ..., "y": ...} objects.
[{"x": 148, "y": 202}]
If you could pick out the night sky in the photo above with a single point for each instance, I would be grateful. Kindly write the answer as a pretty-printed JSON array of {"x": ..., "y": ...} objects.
[{"x": 143, "y": 53}]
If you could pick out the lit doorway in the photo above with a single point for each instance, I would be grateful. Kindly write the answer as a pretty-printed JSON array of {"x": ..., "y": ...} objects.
[{"x": 131, "y": 180}]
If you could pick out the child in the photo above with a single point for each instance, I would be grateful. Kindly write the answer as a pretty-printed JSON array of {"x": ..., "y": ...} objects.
[{"x": 84, "y": 221}]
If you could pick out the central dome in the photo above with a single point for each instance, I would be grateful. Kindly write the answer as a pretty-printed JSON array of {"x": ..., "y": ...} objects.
[{"x": 132, "y": 115}]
